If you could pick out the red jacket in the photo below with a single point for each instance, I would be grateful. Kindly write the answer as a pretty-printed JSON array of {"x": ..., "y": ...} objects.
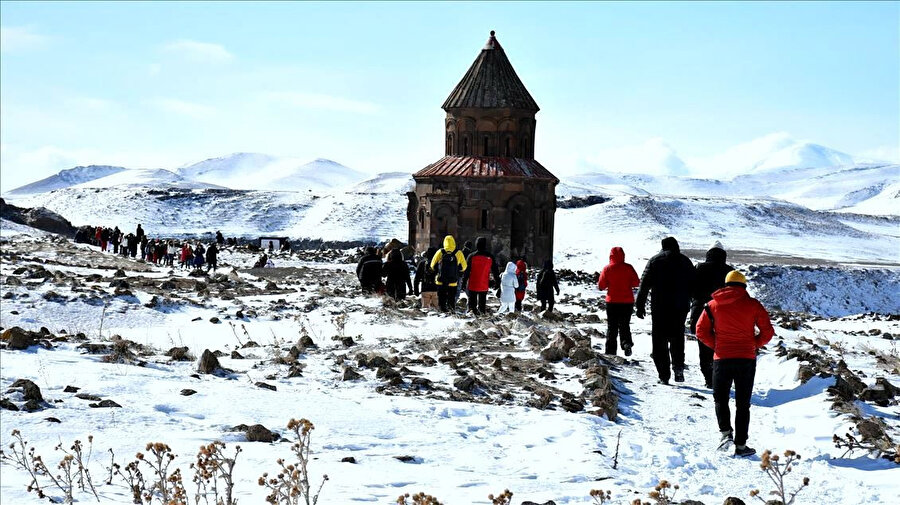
[
  {"x": 618, "y": 278},
  {"x": 736, "y": 316},
  {"x": 522, "y": 277}
]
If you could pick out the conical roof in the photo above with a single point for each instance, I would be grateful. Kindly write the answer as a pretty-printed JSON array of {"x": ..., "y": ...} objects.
[{"x": 491, "y": 82}]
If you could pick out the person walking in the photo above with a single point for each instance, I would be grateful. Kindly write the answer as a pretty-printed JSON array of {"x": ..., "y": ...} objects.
[
  {"x": 507, "y": 290},
  {"x": 710, "y": 278},
  {"x": 368, "y": 271},
  {"x": 522, "y": 279},
  {"x": 397, "y": 273},
  {"x": 546, "y": 284},
  {"x": 212, "y": 257},
  {"x": 669, "y": 278},
  {"x": 482, "y": 269},
  {"x": 450, "y": 264},
  {"x": 618, "y": 279},
  {"x": 728, "y": 326},
  {"x": 425, "y": 278}
]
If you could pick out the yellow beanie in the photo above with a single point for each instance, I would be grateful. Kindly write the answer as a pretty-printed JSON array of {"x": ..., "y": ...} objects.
[{"x": 735, "y": 276}]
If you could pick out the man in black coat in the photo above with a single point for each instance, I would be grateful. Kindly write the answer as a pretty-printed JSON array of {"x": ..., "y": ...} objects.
[
  {"x": 669, "y": 278},
  {"x": 368, "y": 271},
  {"x": 710, "y": 277}
]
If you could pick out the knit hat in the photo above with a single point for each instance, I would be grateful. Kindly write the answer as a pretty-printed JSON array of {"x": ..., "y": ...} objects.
[
  {"x": 735, "y": 277},
  {"x": 717, "y": 245}
]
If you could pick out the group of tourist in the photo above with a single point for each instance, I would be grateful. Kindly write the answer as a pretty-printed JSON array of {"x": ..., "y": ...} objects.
[
  {"x": 723, "y": 316},
  {"x": 153, "y": 250}
]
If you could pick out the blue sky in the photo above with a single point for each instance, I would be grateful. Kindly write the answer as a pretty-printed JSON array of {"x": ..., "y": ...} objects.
[{"x": 165, "y": 84}]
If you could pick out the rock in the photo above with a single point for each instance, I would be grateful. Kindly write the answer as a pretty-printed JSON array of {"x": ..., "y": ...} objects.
[
  {"x": 168, "y": 285},
  {"x": 548, "y": 502},
  {"x": 257, "y": 433},
  {"x": 179, "y": 353},
  {"x": 348, "y": 342},
  {"x": 119, "y": 273},
  {"x": 465, "y": 383},
  {"x": 296, "y": 370},
  {"x": 306, "y": 342},
  {"x": 691, "y": 502},
  {"x": 351, "y": 375},
  {"x": 571, "y": 404},
  {"x": 119, "y": 284},
  {"x": 348, "y": 459},
  {"x": 542, "y": 399},
  {"x": 88, "y": 397},
  {"x": 377, "y": 362},
  {"x": 209, "y": 363},
  {"x": 386, "y": 373},
  {"x": 870, "y": 429},
  {"x": 8, "y": 405},
  {"x": 271, "y": 286},
  {"x": 187, "y": 392},
  {"x": 104, "y": 404},
  {"x": 405, "y": 459},
  {"x": 30, "y": 390},
  {"x": 71, "y": 389},
  {"x": 266, "y": 386},
  {"x": 236, "y": 355},
  {"x": 427, "y": 360},
  {"x": 17, "y": 339},
  {"x": 558, "y": 348},
  {"x": 52, "y": 420},
  {"x": 32, "y": 406},
  {"x": 421, "y": 383},
  {"x": 731, "y": 500},
  {"x": 249, "y": 344},
  {"x": 581, "y": 354},
  {"x": 214, "y": 320},
  {"x": 881, "y": 392}
]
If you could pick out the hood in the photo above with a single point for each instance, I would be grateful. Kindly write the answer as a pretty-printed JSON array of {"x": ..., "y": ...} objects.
[
  {"x": 617, "y": 255},
  {"x": 730, "y": 294},
  {"x": 429, "y": 253},
  {"x": 548, "y": 265},
  {"x": 481, "y": 244},
  {"x": 716, "y": 255},
  {"x": 520, "y": 266},
  {"x": 670, "y": 244},
  {"x": 467, "y": 245},
  {"x": 449, "y": 243},
  {"x": 511, "y": 268},
  {"x": 395, "y": 255}
]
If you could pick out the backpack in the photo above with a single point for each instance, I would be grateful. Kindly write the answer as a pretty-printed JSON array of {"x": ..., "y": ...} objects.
[{"x": 448, "y": 269}]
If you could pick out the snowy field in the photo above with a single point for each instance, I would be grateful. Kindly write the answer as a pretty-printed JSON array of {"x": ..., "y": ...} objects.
[{"x": 459, "y": 444}]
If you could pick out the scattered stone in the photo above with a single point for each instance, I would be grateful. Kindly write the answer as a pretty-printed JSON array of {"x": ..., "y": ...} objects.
[
  {"x": 249, "y": 344},
  {"x": 348, "y": 459},
  {"x": 405, "y": 459},
  {"x": 422, "y": 383},
  {"x": 236, "y": 355},
  {"x": 188, "y": 392},
  {"x": 8, "y": 405},
  {"x": 88, "y": 397},
  {"x": 104, "y": 404},
  {"x": 119, "y": 284},
  {"x": 731, "y": 500},
  {"x": 348, "y": 341},
  {"x": 257, "y": 433},
  {"x": 30, "y": 390},
  {"x": 266, "y": 386},
  {"x": 179, "y": 354},
  {"x": 52, "y": 420},
  {"x": 209, "y": 363},
  {"x": 386, "y": 372},
  {"x": 214, "y": 320},
  {"x": 558, "y": 349},
  {"x": 271, "y": 286},
  {"x": 119, "y": 273},
  {"x": 542, "y": 399},
  {"x": 296, "y": 370},
  {"x": 881, "y": 392},
  {"x": 350, "y": 374},
  {"x": 17, "y": 339},
  {"x": 32, "y": 406},
  {"x": 465, "y": 383},
  {"x": 306, "y": 342},
  {"x": 548, "y": 502}
]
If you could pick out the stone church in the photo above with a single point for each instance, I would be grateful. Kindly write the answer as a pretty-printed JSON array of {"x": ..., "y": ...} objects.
[{"x": 488, "y": 182}]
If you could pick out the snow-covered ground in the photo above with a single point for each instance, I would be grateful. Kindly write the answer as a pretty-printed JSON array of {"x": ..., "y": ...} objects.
[{"x": 462, "y": 450}]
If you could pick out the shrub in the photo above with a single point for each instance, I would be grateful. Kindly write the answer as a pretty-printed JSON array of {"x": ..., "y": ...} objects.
[
  {"x": 291, "y": 485},
  {"x": 776, "y": 470}
]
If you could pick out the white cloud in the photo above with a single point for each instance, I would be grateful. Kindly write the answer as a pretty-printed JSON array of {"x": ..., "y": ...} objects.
[
  {"x": 655, "y": 157},
  {"x": 321, "y": 101},
  {"x": 882, "y": 153},
  {"x": 18, "y": 38},
  {"x": 204, "y": 52},
  {"x": 183, "y": 108}
]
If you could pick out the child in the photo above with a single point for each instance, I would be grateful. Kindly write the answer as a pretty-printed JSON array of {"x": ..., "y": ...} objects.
[
  {"x": 522, "y": 282},
  {"x": 508, "y": 284},
  {"x": 546, "y": 283},
  {"x": 618, "y": 278}
]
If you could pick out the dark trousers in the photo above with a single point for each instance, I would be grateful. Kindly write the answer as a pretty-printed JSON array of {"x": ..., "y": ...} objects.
[
  {"x": 478, "y": 302},
  {"x": 547, "y": 304},
  {"x": 518, "y": 305},
  {"x": 446, "y": 298},
  {"x": 668, "y": 340},
  {"x": 705, "y": 353},
  {"x": 618, "y": 324},
  {"x": 739, "y": 372}
]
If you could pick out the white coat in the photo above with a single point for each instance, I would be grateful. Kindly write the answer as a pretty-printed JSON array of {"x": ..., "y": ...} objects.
[{"x": 508, "y": 283}]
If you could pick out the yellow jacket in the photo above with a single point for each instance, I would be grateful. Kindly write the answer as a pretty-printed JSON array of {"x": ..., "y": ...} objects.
[{"x": 449, "y": 248}]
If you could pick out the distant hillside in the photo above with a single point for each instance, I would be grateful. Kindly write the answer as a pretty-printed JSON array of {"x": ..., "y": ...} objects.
[
  {"x": 251, "y": 171},
  {"x": 67, "y": 178}
]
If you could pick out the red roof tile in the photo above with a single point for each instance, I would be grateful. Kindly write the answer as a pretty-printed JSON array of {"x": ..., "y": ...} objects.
[{"x": 485, "y": 166}]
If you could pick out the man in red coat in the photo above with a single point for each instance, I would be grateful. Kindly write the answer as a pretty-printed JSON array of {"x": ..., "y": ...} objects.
[
  {"x": 728, "y": 326},
  {"x": 618, "y": 278}
]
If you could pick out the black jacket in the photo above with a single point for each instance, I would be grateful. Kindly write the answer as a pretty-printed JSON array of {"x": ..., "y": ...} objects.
[
  {"x": 710, "y": 275},
  {"x": 425, "y": 275},
  {"x": 397, "y": 272},
  {"x": 669, "y": 276},
  {"x": 368, "y": 271},
  {"x": 546, "y": 282}
]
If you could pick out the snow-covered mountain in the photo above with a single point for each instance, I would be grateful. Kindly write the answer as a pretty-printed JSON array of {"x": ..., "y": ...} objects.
[
  {"x": 264, "y": 172},
  {"x": 67, "y": 178},
  {"x": 774, "y": 151},
  {"x": 156, "y": 178}
]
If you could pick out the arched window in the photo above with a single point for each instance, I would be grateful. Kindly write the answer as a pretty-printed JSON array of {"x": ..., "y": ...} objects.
[
  {"x": 449, "y": 149},
  {"x": 484, "y": 223},
  {"x": 422, "y": 218},
  {"x": 508, "y": 151},
  {"x": 484, "y": 149},
  {"x": 465, "y": 146}
]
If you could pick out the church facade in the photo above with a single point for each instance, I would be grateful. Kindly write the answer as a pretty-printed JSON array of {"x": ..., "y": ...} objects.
[{"x": 488, "y": 183}]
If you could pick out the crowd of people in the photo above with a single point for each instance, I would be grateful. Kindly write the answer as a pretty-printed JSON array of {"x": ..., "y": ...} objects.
[
  {"x": 164, "y": 252},
  {"x": 730, "y": 326}
]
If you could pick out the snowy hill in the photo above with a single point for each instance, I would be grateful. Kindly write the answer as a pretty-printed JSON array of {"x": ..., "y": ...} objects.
[
  {"x": 156, "y": 178},
  {"x": 67, "y": 178},
  {"x": 777, "y": 150},
  {"x": 253, "y": 171}
]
